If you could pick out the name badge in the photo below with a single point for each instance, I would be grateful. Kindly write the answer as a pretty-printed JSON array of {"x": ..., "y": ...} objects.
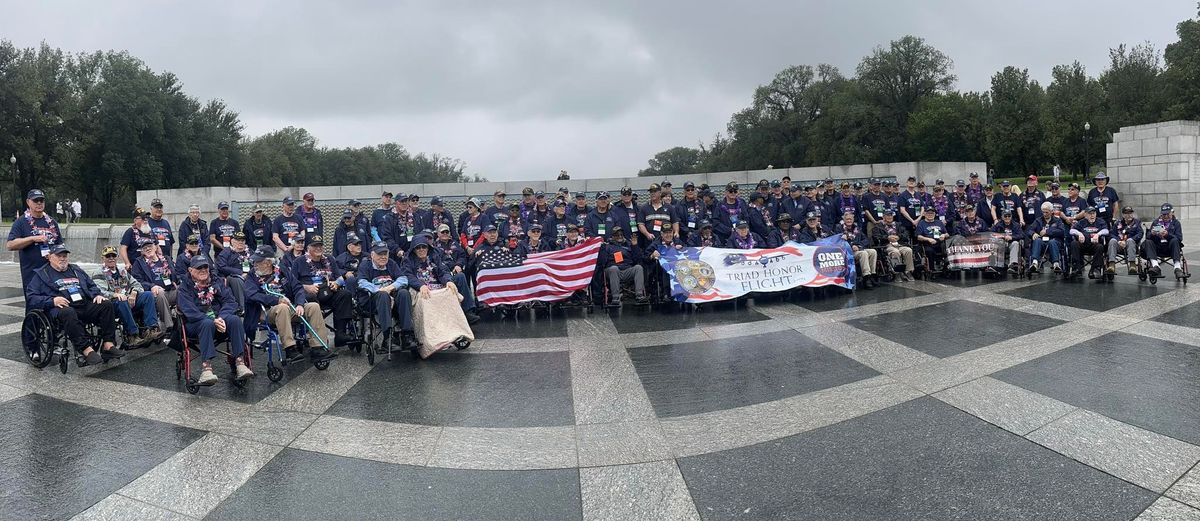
[
  {"x": 162, "y": 242},
  {"x": 619, "y": 257},
  {"x": 937, "y": 236},
  {"x": 1029, "y": 211},
  {"x": 310, "y": 229},
  {"x": 632, "y": 223},
  {"x": 691, "y": 224},
  {"x": 166, "y": 281},
  {"x": 245, "y": 268},
  {"x": 45, "y": 250},
  {"x": 658, "y": 226},
  {"x": 601, "y": 229},
  {"x": 1045, "y": 239},
  {"x": 225, "y": 241},
  {"x": 75, "y": 296}
]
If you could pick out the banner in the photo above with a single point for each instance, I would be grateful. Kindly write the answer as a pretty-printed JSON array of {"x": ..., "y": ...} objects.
[
  {"x": 713, "y": 274},
  {"x": 976, "y": 251}
]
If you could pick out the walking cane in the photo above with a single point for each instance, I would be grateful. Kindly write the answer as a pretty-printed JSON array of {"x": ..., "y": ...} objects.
[{"x": 301, "y": 317}]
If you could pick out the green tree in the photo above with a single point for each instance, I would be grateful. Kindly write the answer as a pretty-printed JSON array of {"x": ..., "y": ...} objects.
[
  {"x": 1013, "y": 134},
  {"x": 1133, "y": 87},
  {"x": 896, "y": 80},
  {"x": 948, "y": 127},
  {"x": 672, "y": 161},
  {"x": 1073, "y": 99},
  {"x": 1182, "y": 75}
]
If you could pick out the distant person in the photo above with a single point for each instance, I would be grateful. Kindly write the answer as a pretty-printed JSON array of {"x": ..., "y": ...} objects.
[
  {"x": 76, "y": 210},
  {"x": 562, "y": 176}
]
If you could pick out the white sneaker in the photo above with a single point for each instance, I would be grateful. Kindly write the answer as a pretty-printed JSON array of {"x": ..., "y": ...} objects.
[
  {"x": 207, "y": 377},
  {"x": 243, "y": 372},
  {"x": 1035, "y": 263}
]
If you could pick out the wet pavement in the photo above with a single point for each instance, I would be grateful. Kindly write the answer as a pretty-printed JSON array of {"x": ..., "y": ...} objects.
[{"x": 955, "y": 399}]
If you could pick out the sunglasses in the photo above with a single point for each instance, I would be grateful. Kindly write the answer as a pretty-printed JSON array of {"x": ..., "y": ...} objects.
[
  {"x": 446, "y": 232},
  {"x": 39, "y": 201}
]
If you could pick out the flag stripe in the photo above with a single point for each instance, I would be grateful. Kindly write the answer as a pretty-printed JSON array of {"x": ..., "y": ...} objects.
[{"x": 548, "y": 276}]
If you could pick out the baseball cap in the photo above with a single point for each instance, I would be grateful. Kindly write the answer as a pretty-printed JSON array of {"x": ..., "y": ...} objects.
[
  {"x": 473, "y": 201},
  {"x": 379, "y": 247},
  {"x": 1005, "y": 183},
  {"x": 705, "y": 223},
  {"x": 876, "y": 181},
  {"x": 308, "y": 196},
  {"x": 580, "y": 195},
  {"x": 192, "y": 239},
  {"x": 156, "y": 203},
  {"x": 810, "y": 215},
  {"x": 289, "y": 200},
  {"x": 665, "y": 183},
  {"x": 857, "y": 185},
  {"x": 688, "y": 184},
  {"x": 353, "y": 238},
  {"x": 960, "y": 182},
  {"x": 1033, "y": 178},
  {"x": 317, "y": 240},
  {"x": 199, "y": 261},
  {"x": 602, "y": 195},
  {"x": 35, "y": 194},
  {"x": 490, "y": 228},
  {"x": 654, "y": 187},
  {"x": 1166, "y": 208},
  {"x": 1073, "y": 185},
  {"x": 347, "y": 213},
  {"x": 240, "y": 236},
  {"x": 762, "y": 183},
  {"x": 537, "y": 227},
  {"x": 222, "y": 205},
  {"x": 625, "y": 190},
  {"x": 499, "y": 193},
  {"x": 743, "y": 224},
  {"x": 527, "y": 191},
  {"x": 1006, "y": 213},
  {"x": 400, "y": 197},
  {"x": 108, "y": 250},
  {"x": 783, "y": 216},
  {"x": 974, "y": 175},
  {"x": 1127, "y": 209},
  {"x": 139, "y": 213},
  {"x": 796, "y": 188},
  {"x": 539, "y": 194},
  {"x": 731, "y": 187},
  {"x": 386, "y": 194},
  {"x": 1054, "y": 185},
  {"x": 355, "y": 202},
  {"x": 443, "y": 228},
  {"x": 435, "y": 201},
  {"x": 59, "y": 248},
  {"x": 757, "y": 197},
  {"x": 1090, "y": 209},
  {"x": 889, "y": 211}
]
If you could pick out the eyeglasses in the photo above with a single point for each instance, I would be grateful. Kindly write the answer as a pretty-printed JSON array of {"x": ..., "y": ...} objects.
[
  {"x": 689, "y": 189},
  {"x": 39, "y": 201},
  {"x": 447, "y": 232}
]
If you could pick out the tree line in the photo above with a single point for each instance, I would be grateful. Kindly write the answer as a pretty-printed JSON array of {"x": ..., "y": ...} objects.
[
  {"x": 901, "y": 106},
  {"x": 99, "y": 126}
]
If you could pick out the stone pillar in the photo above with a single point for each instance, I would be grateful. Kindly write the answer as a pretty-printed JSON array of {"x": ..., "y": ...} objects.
[{"x": 1156, "y": 163}]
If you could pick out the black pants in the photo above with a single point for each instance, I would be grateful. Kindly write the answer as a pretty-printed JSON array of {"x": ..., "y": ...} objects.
[
  {"x": 1098, "y": 251},
  {"x": 342, "y": 304},
  {"x": 1155, "y": 248},
  {"x": 71, "y": 320}
]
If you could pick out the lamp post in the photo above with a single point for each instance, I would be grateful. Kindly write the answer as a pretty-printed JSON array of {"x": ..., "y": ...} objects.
[
  {"x": 12, "y": 160},
  {"x": 1087, "y": 163}
]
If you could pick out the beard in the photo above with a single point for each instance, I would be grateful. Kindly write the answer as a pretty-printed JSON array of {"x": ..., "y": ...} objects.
[{"x": 145, "y": 228}]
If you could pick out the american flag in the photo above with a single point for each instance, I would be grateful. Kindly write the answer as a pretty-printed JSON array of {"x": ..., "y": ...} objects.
[{"x": 548, "y": 276}]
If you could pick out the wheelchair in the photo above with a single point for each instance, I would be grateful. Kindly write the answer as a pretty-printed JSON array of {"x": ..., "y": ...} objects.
[
  {"x": 1145, "y": 273},
  {"x": 1045, "y": 263},
  {"x": 184, "y": 345},
  {"x": 44, "y": 340}
]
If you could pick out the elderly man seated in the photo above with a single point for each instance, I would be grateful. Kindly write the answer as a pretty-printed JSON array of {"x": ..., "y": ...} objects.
[{"x": 69, "y": 296}]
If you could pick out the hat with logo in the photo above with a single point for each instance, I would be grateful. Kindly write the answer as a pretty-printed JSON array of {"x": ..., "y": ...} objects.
[
  {"x": 379, "y": 247},
  {"x": 59, "y": 248},
  {"x": 239, "y": 236},
  {"x": 1165, "y": 208},
  {"x": 222, "y": 205},
  {"x": 288, "y": 200},
  {"x": 35, "y": 194},
  {"x": 108, "y": 251},
  {"x": 353, "y": 238},
  {"x": 199, "y": 261},
  {"x": 317, "y": 240},
  {"x": 156, "y": 203}
]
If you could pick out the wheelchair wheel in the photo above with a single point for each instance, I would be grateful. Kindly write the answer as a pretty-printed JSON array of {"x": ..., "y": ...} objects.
[
  {"x": 191, "y": 386},
  {"x": 62, "y": 363},
  {"x": 274, "y": 373},
  {"x": 178, "y": 369},
  {"x": 39, "y": 337},
  {"x": 371, "y": 354},
  {"x": 321, "y": 365}
]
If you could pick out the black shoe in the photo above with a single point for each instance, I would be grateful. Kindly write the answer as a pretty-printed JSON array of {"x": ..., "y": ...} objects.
[
  {"x": 320, "y": 353},
  {"x": 1179, "y": 273},
  {"x": 461, "y": 343},
  {"x": 472, "y": 318},
  {"x": 408, "y": 340},
  {"x": 642, "y": 300},
  {"x": 292, "y": 354},
  {"x": 111, "y": 353},
  {"x": 614, "y": 304},
  {"x": 341, "y": 338},
  {"x": 93, "y": 358},
  {"x": 1156, "y": 272}
]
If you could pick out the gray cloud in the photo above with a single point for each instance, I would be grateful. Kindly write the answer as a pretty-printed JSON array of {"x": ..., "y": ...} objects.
[{"x": 521, "y": 89}]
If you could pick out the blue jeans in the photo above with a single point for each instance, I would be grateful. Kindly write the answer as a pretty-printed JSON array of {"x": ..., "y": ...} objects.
[
  {"x": 1055, "y": 251},
  {"x": 144, "y": 306},
  {"x": 389, "y": 315},
  {"x": 205, "y": 330},
  {"x": 460, "y": 282}
]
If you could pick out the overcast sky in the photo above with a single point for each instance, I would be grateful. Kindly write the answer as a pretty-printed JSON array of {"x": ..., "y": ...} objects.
[{"x": 519, "y": 90}]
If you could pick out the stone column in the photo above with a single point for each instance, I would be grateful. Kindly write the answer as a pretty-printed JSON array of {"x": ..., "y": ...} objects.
[{"x": 1156, "y": 163}]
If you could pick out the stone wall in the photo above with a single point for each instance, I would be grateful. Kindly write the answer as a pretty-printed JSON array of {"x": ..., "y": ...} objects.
[{"x": 1158, "y": 162}]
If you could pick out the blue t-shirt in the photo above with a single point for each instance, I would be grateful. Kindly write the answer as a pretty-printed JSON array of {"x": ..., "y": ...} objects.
[{"x": 34, "y": 255}]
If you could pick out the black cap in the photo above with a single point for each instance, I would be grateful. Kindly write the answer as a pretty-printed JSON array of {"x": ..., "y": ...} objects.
[
  {"x": 192, "y": 239},
  {"x": 757, "y": 197},
  {"x": 960, "y": 182},
  {"x": 199, "y": 261},
  {"x": 156, "y": 203},
  {"x": 490, "y": 228},
  {"x": 974, "y": 175},
  {"x": 743, "y": 224},
  {"x": 665, "y": 183},
  {"x": 911, "y": 178},
  {"x": 59, "y": 248},
  {"x": 222, "y": 205},
  {"x": 1054, "y": 185},
  {"x": 1005, "y": 183},
  {"x": 731, "y": 187},
  {"x": 379, "y": 247},
  {"x": 783, "y": 216},
  {"x": 602, "y": 195},
  {"x": 35, "y": 194},
  {"x": 1073, "y": 185},
  {"x": 876, "y": 181},
  {"x": 580, "y": 195},
  {"x": 811, "y": 215},
  {"x": 889, "y": 211},
  {"x": 1127, "y": 209},
  {"x": 857, "y": 185},
  {"x": 705, "y": 223},
  {"x": 775, "y": 183},
  {"x": 435, "y": 201},
  {"x": 535, "y": 226},
  {"x": 139, "y": 213},
  {"x": 688, "y": 184},
  {"x": 1166, "y": 208},
  {"x": 1006, "y": 213},
  {"x": 625, "y": 190},
  {"x": 1090, "y": 209},
  {"x": 240, "y": 236},
  {"x": 352, "y": 238},
  {"x": 317, "y": 239}
]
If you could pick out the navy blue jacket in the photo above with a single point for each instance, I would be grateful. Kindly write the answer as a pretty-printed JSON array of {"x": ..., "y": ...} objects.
[
  {"x": 258, "y": 233},
  {"x": 752, "y": 240},
  {"x": 350, "y": 263},
  {"x": 1013, "y": 228},
  {"x": 726, "y": 215},
  {"x": 315, "y": 272},
  {"x": 608, "y": 218},
  {"x": 696, "y": 240},
  {"x": 157, "y": 274},
  {"x": 187, "y": 228},
  {"x": 340, "y": 232},
  {"x": 380, "y": 277},
  {"x": 631, "y": 254},
  {"x": 278, "y": 281},
  {"x": 233, "y": 264},
  {"x": 1131, "y": 230},
  {"x": 48, "y": 283},
  {"x": 423, "y": 272},
  {"x": 218, "y": 299},
  {"x": 1055, "y": 229}
]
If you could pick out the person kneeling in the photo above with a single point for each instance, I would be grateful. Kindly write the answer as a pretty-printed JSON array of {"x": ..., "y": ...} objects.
[
  {"x": 69, "y": 296},
  {"x": 382, "y": 279},
  {"x": 208, "y": 308},
  {"x": 274, "y": 289}
]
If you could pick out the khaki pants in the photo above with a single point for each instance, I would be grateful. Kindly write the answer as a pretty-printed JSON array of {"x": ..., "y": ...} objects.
[
  {"x": 897, "y": 253},
  {"x": 280, "y": 316},
  {"x": 866, "y": 261},
  {"x": 163, "y": 303}
]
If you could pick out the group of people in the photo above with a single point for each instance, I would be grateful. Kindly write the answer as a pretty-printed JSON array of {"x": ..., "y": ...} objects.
[
  {"x": 69, "y": 210},
  {"x": 225, "y": 276}
]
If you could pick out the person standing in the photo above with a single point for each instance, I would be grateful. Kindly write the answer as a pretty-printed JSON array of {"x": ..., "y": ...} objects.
[
  {"x": 77, "y": 210},
  {"x": 160, "y": 228},
  {"x": 193, "y": 224},
  {"x": 32, "y": 235}
]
